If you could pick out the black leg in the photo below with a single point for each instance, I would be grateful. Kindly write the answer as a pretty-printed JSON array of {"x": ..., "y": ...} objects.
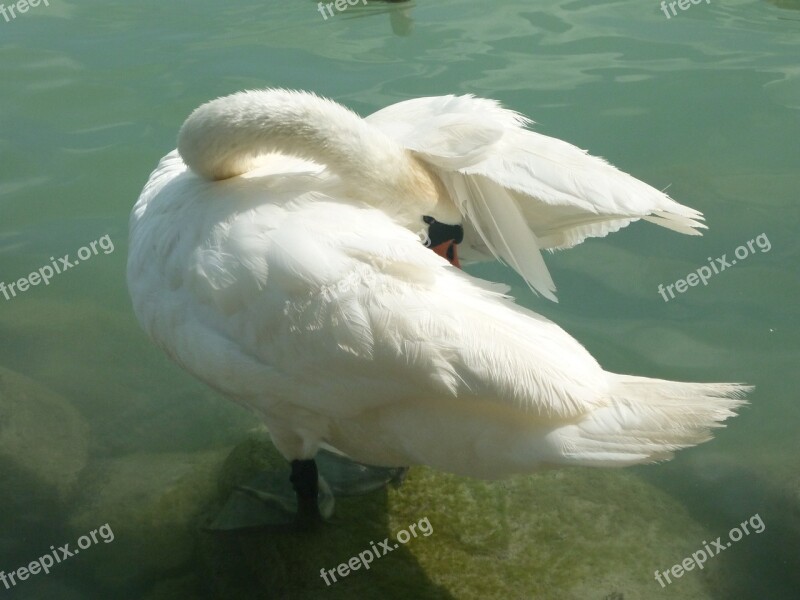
[{"x": 305, "y": 482}]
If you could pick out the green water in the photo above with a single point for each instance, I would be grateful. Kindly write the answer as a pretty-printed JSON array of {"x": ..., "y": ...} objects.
[{"x": 97, "y": 426}]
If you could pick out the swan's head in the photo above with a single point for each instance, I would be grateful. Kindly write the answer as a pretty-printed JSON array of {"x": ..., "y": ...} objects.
[{"x": 443, "y": 239}]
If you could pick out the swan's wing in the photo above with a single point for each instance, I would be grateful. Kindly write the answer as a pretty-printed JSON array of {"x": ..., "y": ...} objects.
[
  {"x": 353, "y": 304},
  {"x": 410, "y": 316},
  {"x": 520, "y": 191}
]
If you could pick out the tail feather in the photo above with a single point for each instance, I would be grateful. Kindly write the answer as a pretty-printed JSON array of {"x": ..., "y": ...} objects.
[{"x": 646, "y": 420}]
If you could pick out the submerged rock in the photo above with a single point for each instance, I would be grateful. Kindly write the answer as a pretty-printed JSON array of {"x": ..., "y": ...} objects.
[
  {"x": 43, "y": 439},
  {"x": 44, "y": 588},
  {"x": 155, "y": 504},
  {"x": 43, "y": 451},
  {"x": 180, "y": 588},
  {"x": 571, "y": 534}
]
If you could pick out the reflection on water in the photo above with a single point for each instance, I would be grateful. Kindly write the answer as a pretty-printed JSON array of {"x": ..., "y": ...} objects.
[{"x": 97, "y": 427}]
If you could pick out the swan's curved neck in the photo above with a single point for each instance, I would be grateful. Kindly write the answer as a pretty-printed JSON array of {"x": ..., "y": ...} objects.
[{"x": 224, "y": 137}]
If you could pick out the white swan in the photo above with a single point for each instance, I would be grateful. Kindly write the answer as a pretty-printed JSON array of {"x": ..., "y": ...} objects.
[{"x": 275, "y": 256}]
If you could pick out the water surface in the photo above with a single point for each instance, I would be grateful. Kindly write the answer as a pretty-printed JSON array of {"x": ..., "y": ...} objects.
[{"x": 96, "y": 426}]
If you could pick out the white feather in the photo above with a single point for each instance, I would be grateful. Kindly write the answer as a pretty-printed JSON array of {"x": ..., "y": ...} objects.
[
  {"x": 558, "y": 194},
  {"x": 324, "y": 313}
]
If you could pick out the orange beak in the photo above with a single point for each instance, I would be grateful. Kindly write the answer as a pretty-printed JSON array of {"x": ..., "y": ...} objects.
[{"x": 448, "y": 250}]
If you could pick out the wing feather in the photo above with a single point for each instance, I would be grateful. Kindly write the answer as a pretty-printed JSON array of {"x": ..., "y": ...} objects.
[
  {"x": 520, "y": 192},
  {"x": 406, "y": 313}
]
